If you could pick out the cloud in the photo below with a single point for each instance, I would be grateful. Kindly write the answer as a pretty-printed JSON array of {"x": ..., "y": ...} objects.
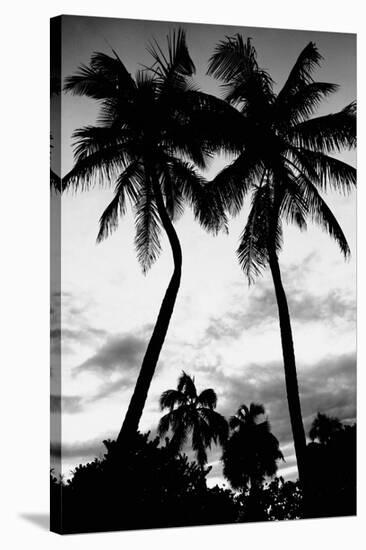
[
  {"x": 261, "y": 309},
  {"x": 110, "y": 388},
  {"x": 333, "y": 306},
  {"x": 72, "y": 404},
  {"x": 84, "y": 450},
  {"x": 122, "y": 354},
  {"x": 329, "y": 386}
]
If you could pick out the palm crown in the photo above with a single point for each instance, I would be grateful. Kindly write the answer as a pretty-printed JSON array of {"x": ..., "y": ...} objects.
[
  {"x": 324, "y": 427},
  {"x": 286, "y": 153},
  {"x": 190, "y": 412},
  {"x": 252, "y": 451},
  {"x": 149, "y": 138}
]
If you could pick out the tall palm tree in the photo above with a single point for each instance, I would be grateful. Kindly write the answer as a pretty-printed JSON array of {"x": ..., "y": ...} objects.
[
  {"x": 286, "y": 163},
  {"x": 151, "y": 129},
  {"x": 192, "y": 413},
  {"x": 252, "y": 451}
]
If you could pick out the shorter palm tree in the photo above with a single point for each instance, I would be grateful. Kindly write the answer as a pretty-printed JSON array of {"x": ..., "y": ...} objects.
[
  {"x": 252, "y": 451},
  {"x": 192, "y": 414},
  {"x": 324, "y": 427}
]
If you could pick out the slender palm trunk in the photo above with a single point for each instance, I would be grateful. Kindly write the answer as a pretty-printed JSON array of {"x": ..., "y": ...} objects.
[
  {"x": 137, "y": 403},
  {"x": 292, "y": 388}
]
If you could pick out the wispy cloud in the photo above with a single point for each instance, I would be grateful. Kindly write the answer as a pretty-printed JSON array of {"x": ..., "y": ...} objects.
[
  {"x": 121, "y": 354},
  {"x": 85, "y": 450},
  {"x": 111, "y": 388},
  {"x": 261, "y": 310}
]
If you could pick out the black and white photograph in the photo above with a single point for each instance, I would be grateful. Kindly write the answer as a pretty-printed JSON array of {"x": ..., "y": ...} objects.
[{"x": 203, "y": 274}]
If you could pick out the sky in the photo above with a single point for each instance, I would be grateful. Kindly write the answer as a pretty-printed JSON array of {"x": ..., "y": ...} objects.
[{"x": 222, "y": 332}]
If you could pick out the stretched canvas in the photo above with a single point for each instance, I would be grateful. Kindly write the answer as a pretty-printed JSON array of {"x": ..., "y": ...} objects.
[{"x": 203, "y": 286}]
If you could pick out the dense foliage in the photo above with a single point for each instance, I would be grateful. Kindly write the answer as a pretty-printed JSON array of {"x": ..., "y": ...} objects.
[
  {"x": 150, "y": 487},
  {"x": 147, "y": 487}
]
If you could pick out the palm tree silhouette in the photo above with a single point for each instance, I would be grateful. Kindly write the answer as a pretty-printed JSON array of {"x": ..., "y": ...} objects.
[
  {"x": 192, "y": 413},
  {"x": 324, "y": 427},
  {"x": 151, "y": 129},
  {"x": 286, "y": 163},
  {"x": 252, "y": 451}
]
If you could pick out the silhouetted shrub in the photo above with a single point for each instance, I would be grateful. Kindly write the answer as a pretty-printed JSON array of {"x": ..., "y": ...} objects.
[
  {"x": 144, "y": 488},
  {"x": 332, "y": 474}
]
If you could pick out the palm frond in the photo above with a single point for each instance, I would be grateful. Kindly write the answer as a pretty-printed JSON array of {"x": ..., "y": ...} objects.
[
  {"x": 176, "y": 421},
  {"x": 183, "y": 145},
  {"x": 217, "y": 426},
  {"x": 171, "y": 398},
  {"x": 200, "y": 440},
  {"x": 102, "y": 166},
  {"x": 301, "y": 73},
  {"x": 174, "y": 200},
  {"x": 114, "y": 70},
  {"x": 93, "y": 139},
  {"x": 232, "y": 58},
  {"x": 148, "y": 228},
  {"x": 127, "y": 185},
  {"x": 206, "y": 207},
  {"x": 177, "y": 59},
  {"x": 321, "y": 214},
  {"x": 253, "y": 94},
  {"x": 303, "y": 103},
  {"x": 210, "y": 122},
  {"x": 328, "y": 133},
  {"x": 104, "y": 77},
  {"x": 181, "y": 427},
  {"x": 171, "y": 69},
  {"x": 253, "y": 248},
  {"x": 324, "y": 171},
  {"x": 293, "y": 207},
  {"x": 233, "y": 182},
  {"x": 187, "y": 386},
  {"x": 100, "y": 154},
  {"x": 208, "y": 398},
  {"x": 164, "y": 425},
  {"x": 235, "y": 63}
]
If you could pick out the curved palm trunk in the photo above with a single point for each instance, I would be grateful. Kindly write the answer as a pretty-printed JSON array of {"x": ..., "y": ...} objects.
[
  {"x": 292, "y": 388},
  {"x": 137, "y": 403}
]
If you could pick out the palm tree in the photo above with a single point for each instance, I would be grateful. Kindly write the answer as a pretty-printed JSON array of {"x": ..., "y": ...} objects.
[
  {"x": 192, "y": 413},
  {"x": 151, "y": 130},
  {"x": 252, "y": 451},
  {"x": 286, "y": 163},
  {"x": 324, "y": 427}
]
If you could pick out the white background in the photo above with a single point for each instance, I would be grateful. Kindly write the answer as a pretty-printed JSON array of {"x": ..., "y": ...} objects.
[{"x": 24, "y": 259}]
